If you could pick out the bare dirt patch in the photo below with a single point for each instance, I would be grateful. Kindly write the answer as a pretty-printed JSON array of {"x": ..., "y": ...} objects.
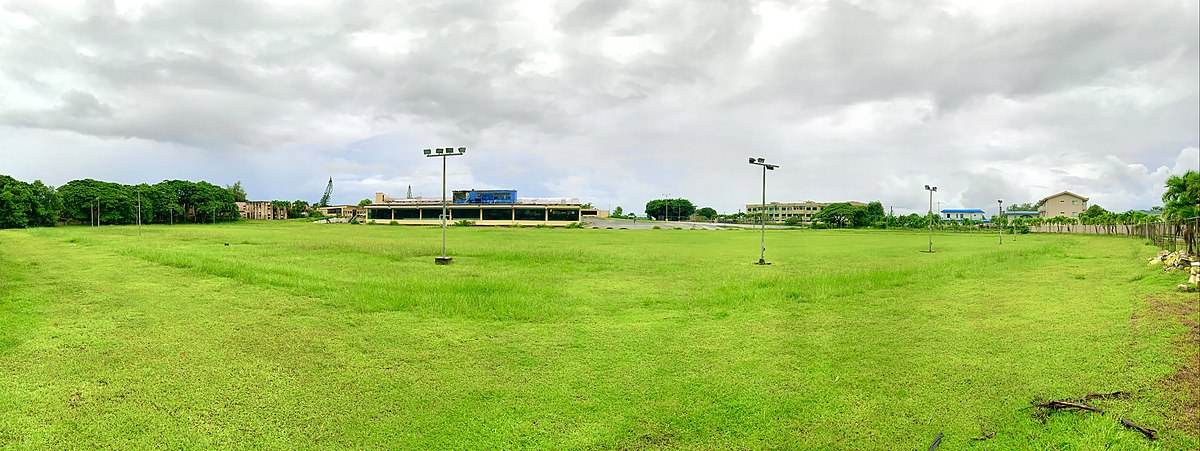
[{"x": 1185, "y": 383}]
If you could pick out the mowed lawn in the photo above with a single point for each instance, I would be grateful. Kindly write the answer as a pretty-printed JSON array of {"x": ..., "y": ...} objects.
[{"x": 294, "y": 335}]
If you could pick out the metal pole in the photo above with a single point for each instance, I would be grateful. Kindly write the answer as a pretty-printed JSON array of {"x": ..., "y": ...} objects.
[
  {"x": 762, "y": 243},
  {"x": 443, "y": 207},
  {"x": 930, "y": 221},
  {"x": 139, "y": 191},
  {"x": 999, "y": 218},
  {"x": 97, "y": 211}
]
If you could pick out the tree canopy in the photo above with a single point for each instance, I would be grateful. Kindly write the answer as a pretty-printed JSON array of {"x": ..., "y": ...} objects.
[
  {"x": 671, "y": 209},
  {"x": 1182, "y": 197}
]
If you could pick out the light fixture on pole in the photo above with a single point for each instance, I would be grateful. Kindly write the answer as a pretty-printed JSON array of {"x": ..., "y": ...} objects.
[
  {"x": 1000, "y": 219},
  {"x": 666, "y": 207},
  {"x": 762, "y": 246},
  {"x": 443, "y": 153},
  {"x": 931, "y": 189}
]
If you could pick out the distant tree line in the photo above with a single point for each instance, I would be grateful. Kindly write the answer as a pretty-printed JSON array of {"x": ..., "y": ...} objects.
[{"x": 80, "y": 201}]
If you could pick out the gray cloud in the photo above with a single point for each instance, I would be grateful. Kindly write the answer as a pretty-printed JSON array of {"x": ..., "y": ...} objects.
[{"x": 614, "y": 101}]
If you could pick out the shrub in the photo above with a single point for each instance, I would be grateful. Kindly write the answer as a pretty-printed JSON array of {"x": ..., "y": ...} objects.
[
  {"x": 541, "y": 226},
  {"x": 574, "y": 225},
  {"x": 657, "y": 228},
  {"x": 464, "y": 223},
  {"x": 393, "y": 223},
  {"x": 820, "y": 225}
]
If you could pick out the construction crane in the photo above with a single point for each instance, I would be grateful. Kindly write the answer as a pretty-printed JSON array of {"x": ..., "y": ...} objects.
[{"x": 328, "y": 192}]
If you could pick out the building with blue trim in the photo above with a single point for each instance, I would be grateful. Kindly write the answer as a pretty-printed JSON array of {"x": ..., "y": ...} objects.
[{"x": 959, "y": 214}]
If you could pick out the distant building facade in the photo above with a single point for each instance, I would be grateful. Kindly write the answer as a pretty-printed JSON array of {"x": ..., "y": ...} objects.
[
  {"x": 959, "y": 214},
  {"x": 342, "y": 210},
  {"x": 261, "y": 210},
  {"x": 1013, "y": 214},
  {"x": 781, "y": 211},
  {"x": 1066, "y": 204},
  {"x": 482, "y": 207}
]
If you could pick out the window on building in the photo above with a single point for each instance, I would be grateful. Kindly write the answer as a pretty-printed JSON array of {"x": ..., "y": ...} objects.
[
  {"x": 497, "y": 214},
  {"x": 407, "y": 213},
  {"x": 530, "y": 214}
]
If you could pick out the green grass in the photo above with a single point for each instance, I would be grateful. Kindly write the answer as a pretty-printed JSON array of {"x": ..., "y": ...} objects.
[{"x": 309, "y": 335}]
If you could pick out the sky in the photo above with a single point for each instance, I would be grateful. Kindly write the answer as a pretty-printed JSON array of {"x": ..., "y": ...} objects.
[{"x": 615, "y": 102}]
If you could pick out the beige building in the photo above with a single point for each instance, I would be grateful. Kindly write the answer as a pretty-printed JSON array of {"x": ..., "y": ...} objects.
[
  {"x": 1066, "y": 204},
  {"x": 522, "y": 211},
  {"x": 261, "y": 210},
  {"x": 594, "y": 213},
  {"x": 781, "y": 211},
  {"x": 342, "y": 210}
]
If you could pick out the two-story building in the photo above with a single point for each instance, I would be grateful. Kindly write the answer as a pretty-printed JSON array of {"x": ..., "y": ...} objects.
[
  {"x": 781, "y": 211},
  {"x": 1066, "y": 204}
]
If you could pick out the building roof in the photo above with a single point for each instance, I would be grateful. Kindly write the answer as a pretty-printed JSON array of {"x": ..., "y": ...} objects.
[
  {"x": 1044, "y": 199},
  {"x": 1020, "y": 213},
  {"x": 962, "y": 210}
]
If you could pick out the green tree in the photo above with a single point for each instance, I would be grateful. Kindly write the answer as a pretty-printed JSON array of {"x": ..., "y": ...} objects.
[
  {"x": 365, "y": 202},
  {"x": 707, "y": 212},
  {"x": 235, "y": 190},
  {"x": 1022, "y": 207},
  {"x": 1093, "y": 214},
  {"x": 875, "y": 212},
  {"x": 617, "y": 212},
  {"x": 837, "y": 215},
  {"x": 16, "y": 203},
  {"x": 1182, "y": 197},
  {"x": 672, "y": 209}
]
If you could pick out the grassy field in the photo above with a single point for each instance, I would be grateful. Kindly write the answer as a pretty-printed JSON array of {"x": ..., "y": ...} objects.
[{"x": 301, "y": 335}]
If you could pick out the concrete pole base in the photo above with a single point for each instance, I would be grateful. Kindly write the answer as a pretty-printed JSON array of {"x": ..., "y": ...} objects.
[
  {"x": 442, "y": 260},
  {"x": 762, "y": 262}
]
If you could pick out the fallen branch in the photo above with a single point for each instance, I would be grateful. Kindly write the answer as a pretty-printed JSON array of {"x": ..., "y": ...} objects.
[
  {"x": 1149, "y": 433},
  {"x": 1116, "y": 394},
  {"x": 1056, "y": 405}
]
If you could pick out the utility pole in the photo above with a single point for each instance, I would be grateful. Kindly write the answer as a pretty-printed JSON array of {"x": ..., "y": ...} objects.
[
  {"x": 1000, "y": 218},
  {"x": 139, "y": 191},
  {"x": 97, "y": 211},
  {"x": 931, "y": 189},
  {"x": 762, "y": 244}
]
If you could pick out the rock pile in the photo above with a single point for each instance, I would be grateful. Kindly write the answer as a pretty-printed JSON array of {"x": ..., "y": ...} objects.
[
  {"x": 1174, "y": 260},
  {"x": 1182, "y": 261}
]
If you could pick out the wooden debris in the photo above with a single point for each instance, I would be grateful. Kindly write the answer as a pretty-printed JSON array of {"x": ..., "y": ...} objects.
[
  {"x": 1149, "y": 433},
  {"x": 1056, "y": 405},
  {"x": 1116, "y": 394}
]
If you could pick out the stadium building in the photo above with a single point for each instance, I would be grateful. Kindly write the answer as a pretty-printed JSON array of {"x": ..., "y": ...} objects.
[{"x": 482, "y": 207}]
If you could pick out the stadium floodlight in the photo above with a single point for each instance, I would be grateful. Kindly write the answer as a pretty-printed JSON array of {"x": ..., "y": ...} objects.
[
  {"x": 444, "y": 152},
  {"x": 762, "y": 244},
  {"x": 931, "y": 189},
  {"x": 1000, "y": 208}
]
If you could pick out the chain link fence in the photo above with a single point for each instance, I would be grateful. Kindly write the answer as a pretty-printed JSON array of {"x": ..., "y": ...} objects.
[{"x": 1170, "y": 235}]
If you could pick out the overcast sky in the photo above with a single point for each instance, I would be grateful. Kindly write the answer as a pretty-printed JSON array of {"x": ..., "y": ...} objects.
[{"x": 611, "y": 101}]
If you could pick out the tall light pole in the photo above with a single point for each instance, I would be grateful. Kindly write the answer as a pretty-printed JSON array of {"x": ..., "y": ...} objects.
[
  {"x": 931, "y": 189},
  {"x": 443, "y": 153},
  {"x": 97, "y": 211},
  {"x": 666, "y": 207},
  {"x": 999, "y": 225},
  {"x": 762, "y": 246}
]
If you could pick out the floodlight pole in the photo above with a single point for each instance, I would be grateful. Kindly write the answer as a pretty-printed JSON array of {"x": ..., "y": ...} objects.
[
  {"x": 139, "y": 191},
  {"x": 931, "y": 190},
  {"x": 97, "y": 211},
  {"x": 443, "y": 153},
  {"x": 1000, "y": 206},
  {"x": 762, "y": 244}
]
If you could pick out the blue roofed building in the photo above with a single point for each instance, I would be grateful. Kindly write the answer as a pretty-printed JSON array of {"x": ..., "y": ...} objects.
[{"x": 959, "y": 214}]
